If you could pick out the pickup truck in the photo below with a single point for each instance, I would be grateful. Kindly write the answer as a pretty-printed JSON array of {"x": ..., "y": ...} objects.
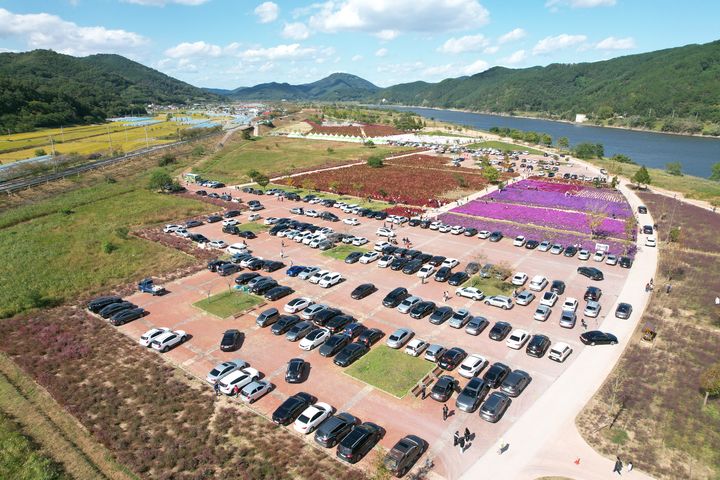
[{"x": 148, "y": 286}]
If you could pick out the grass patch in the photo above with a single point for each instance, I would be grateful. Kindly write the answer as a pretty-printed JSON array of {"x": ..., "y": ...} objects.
[
  {"x": 22, "y": 458},
  {"x": 281, "y": 155},
  {"x": 392, "y": 371},
  {"x": 342, "y": 251},
  {"x": 490, "y": 286},
  {"x": 362, "y": 202},
  {"x": 228, "y": 303},
  {"x": 254, "y": 227},
  {"x": 505, "y": 147},
  {"x": 618, "y": 436}
]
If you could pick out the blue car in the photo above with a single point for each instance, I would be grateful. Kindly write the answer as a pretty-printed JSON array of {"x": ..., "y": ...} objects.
[{"x": 295, "y": 270}]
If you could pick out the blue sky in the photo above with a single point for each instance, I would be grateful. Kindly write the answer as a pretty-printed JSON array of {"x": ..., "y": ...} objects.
[{"x": 231, "y": 43}]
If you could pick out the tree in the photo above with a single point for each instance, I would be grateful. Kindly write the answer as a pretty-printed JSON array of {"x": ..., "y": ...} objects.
[
  {"x": 674, "y": 168},
  {"x": 247, "y": 134},
  {"x": 375, "y": 161},
  {"x": 715, "y": 175},
  {"x": 614, "y": 182},
  {"x": 252, "y": 174},
  {"x": 710, "y": 382},
  {"x": 160, "y": 180},
  {"x": 491, "y": 174},
  {"x": 620, "y": 158},
  {"x": 262, "y": 180},
  {"x": 167, "y": 159},
  {"x": 642, "y": 177},
  {"x": 587, "y": 151},
  {"x": 40, "y": 152},
  {"x": 563, "y": 142}
]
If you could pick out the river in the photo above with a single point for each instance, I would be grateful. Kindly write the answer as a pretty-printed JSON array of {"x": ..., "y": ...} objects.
[{"x": 696, "y": 154}]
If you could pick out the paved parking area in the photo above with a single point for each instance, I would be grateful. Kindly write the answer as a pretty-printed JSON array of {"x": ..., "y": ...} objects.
[{"x": 409, "y": 415}]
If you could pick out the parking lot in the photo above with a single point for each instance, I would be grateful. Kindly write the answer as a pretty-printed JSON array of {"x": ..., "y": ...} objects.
[{"x": 399, "y": 416}]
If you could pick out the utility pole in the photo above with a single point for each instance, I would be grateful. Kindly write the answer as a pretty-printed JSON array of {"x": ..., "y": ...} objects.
[
  {"x": 52, "y": 145},
  {"x": 109, "y": 137},
  {"x": 62, "y": 133},
  {"x": 147, "y": 141}
]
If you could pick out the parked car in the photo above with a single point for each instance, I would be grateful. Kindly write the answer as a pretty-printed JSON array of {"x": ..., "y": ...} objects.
[
  {"x": 404, "y": 454},
  {"x": 500, "y": 301},
  {"x": 548, "y": 299},
  {"x": 476, "y": 325},
  {"x": 330, "y": 280},
  {"x": 353, "y": 257},
  {"x": 495, "y": 407},
  {"x": 231, "y": 340},
  {"x": 395, "y": 297},
  {"x": 408, "y": 303},
  {"x": 538, "y": 345},
  {"x": 222, "y": 369},
  {"x": 97, "y": 304},
  {"x": 460, "y": 318},
  {"x": 113, "y": 308},
  {"x": 623, "y": 310},
  {"x": 422, "y": 309},
  {"x": 452, "y": 358},
  {"x": 299, "y": 331},
  {"x": 312, "y": 417},
  {"x": 440, "y": 315},
  {"x": 168, "y": 340},
  {"x": 434, "y": 352},
  {"x": 443, "y": 388},
  {"x": 314, "y": 339},
  {"x": 559, "y": 352},
  {"x": 538, "y": 283},
  {"x": 124, "y": 316},
  {"x": 283, "y": 324},
  {"x": 557, "y": 286},
  {"x": 334, "y": 344},
  {"x": 472, "y": 365},
  {"x": 370, "y": 336},
  {"x": 289, "y": 410},
  {"x": 360, "y": 440},
  {"x": 297, "y": 370},
  {"x": 495, "y": 375},
  {"x": 255, "y": 390},
  {"x": 517, "y": 339},
  {"x": 596, "y": 337},
  {"x": 399, "y": 337},
  {"x": 470, "y": 292},
  {"x": 239, "y": 378},
  {"x": 568, "y": 319},
  {"x": 350, "y": 353},
  {"x": 362, "y": 291},
  {"x": 592, "y": 309},
  {"x": 267, "y": 317},
  {"x": 415, "y": 347},
  {"x": 278, "y": 292},
  {"x": 524, "y": 298},
  {"x": 147, "y": 337},
  {"x": 591, "y": 272},
  {"x": 458, "y": 278},
  {"x": 472, "y": 395},
  {"x": 515, "y": 383},
  {"x": 334, "y": 429},
  {"x": 499, "y": 331}
]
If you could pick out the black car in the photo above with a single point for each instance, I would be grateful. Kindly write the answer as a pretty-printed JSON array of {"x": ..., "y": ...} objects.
[
  {"x": 472, "y": 268},
  {"x": 334, "y": 344},
  {"x": 499, "y": 331},
  {"x": 593, "y": 293},
  {"x": 472, "y": 395},
  {"x": 297, "y": 370},
  {"x": 557, "y": 286},
  {"x": 193, "y": 223},
  {"x": 647, "y": 229},
  {"x": 443, "y": 388},
  {"x": 291, "y": 408},
  {"x": 470, "y": 232},
  {"x": 396, "y": 296},
  {"x": 412, "y": 267},
  {"x": 355, "y": 329},
  {"x": 338, "y": 323},
  {"x": 284, "y": 323},
  {"x": 389, "y": 249},
  {"x": 623, "y": 310},
  {"x": 272, "y": 265},
  {"x": 451, "y": 358},
  {"x": 278, "y": 292},
  {"x": 437, "y": 260},
  {"x": 538, "y": 345},
  {"x": 570, "y": 251},
  {"x": 495, "y": 375},
  {"x": 362, "y": 291},
  {"x": 202, "y": 193},
  {"x": 495, "y": 236},
  {"x": 263, "y": 286},
  {"x": 531, "y": 244},
  {"x": 515, "y": 383},
  {"x": 458, "y": 278},
  {"x": 370, "y": 336},
  {"x": 124, "y": 316},
  {"x": 596, "y": 337},
  {"x": 255, "y": 265},
  {"x": 230, "y": 229},
  {"x": 325, "y": 315},
  {"x": 228, "y": 269},
  {"x": 353, "y": 257},
  {"x": 425, "y": 224},
  {"x": 422, "y": 309},
  {"x": 414, "y": 222},
  {"x": 380, "y": 215},
  {"x": 113, "y": 308},
  {"x": 360, "y": 440},
  {"x": 642, "y": 209},
  {"x": 406, "y": 452},
  {"x": 198, "y": 238},
  {"x": 247, "y": 234},
  {"x": 299, "y": 330},
  {"x": 591, "y": 272},
  {"x": 334, "y": 429},
  {"x": 97, "y": 304},
  {"x": 213, "y": 218},
  {"x": 399, "y": 263},
  {"x": 350, "y": 353},
  {"x": 244, "y": 278},
  {"x": 232, "y": 213},
  {"x": 213, "y": 265},
  {"x": 441, "y": 314},
  {"x": 443, "y": 274},
  {"x": 231, "y": 340},
  {"x": 495, "y": 407},
  {"x": 625, "y": 262},
  {"x": 267, "y": 317}
]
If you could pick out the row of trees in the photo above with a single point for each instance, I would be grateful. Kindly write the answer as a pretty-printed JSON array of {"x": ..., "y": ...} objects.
[{"x": 537, "y": 138}]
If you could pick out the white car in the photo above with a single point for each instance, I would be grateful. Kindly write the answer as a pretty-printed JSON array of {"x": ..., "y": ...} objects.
[
  {"x": 172, "y": 228},
  {"x": 483, "y": 234},
  {"x": 570, "y": 304},
  {"x": 309, "y": 312},
  {"x": 517, "y": 339},
  {"x": 380, "y": 246},
  {"x": 314, "y": 339},
  {"x": 444, "y": 228},
  {"x": 519, "y": 279},
  {"x": 519, "y": 241},
  {"x": 308, "y": 272},
  {"x": 470, "y": 292},
  {"x": 559, "y": 352},
  {"x": 538, "y": 283},
  {"x": 297, "y": 210},
  {"x": 330, "y": 279},
  {"x": 219, "y": 244},
  {"x": 245, "y": 263},
  {"x": 359, "y": 241},
  {"x": 584, "y": 254},
  {"x": 386, "y": 232},
  {"x": 147, "y": 337},
  {"x": 457, "y": 230},
  {"x": 182, "y": 232},
  {"x": 425, "y": 271},
  {"x": 351, "y": 221},
  {"x": 253, "y": 216},
  {"x": 270, "y": 221},
  {"x": 599, "y": 256},
  {"x": 500, "y": 301},
  {"x": 222, "y": 369},
  {"x": 237, "y": 248},
  {"x": 317, "y": 241},
  {"x": 297, "y": 304},
  {"x": 311, "y": 213},
  {"x": 253, "y": 391},
  {"x": 407, "y": 304},
  {"x": 450, "y": 263},
  {"x": 435, "y": 225},
  {"x": 369, "y": 257},
  {"x": 592, "y": 309},
  {"x": 548, "y": 299},
  {"x": 556, "y": 249},
  {"x": 166, "y": 341},
  {"x": 385, "y": 261},
  {"x": 542, "y": 312},
  {"x": 472, "y": 365},
  {"x": 611, "y": 260},
  {"x": 312, "y": 416},
  {"x": 544, "y": 246},
  {"x": 398, "y": 338},
  {"x": 348, "y": 239},
  {"x": 238, "y": 377},
  {"x": 415, "y": 347},
  {"x": 524, "y": 298},
  {"x": 229, "y": 222},
  {"x": 317, "y": 276},
  {"x": 650, "y": 241}
]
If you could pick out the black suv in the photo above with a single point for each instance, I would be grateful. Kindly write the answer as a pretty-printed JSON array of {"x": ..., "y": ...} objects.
[
  {"x": 359, "y": 442},
  {"x": 593, "y": 293},
  {"x": 495, "y": 375},
  {"x": 231, "y": 340},
  {"x": 396, "y": 296},
  {"x": 291, "y": 408},
  {"x": 334, "y": 429}
]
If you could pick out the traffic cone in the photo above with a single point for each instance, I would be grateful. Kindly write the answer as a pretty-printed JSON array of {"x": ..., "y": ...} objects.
[{"x": 577, "y": 461}]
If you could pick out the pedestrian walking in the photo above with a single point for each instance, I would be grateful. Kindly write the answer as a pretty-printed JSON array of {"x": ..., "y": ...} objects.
[
  {"x": 217, "y": 389},
  {"x": 423, "y": 391},
  {"x": 583, "y": 323},
  {"x": 668, "y": 289},
  {"x": 717, "y": 301},
  {"x": 456, "y": 438},
  {"x": 446, "y": 411},
  {"x": 502, "y": 447},
  {"x": 629, "y": 467},
  {"x": 466, "y": 434},
  {"x": 618, "y": 466},
  {"x": 465, "y": 447},
  {"x": 236, "y": 390},
  {"x": 461, "y": 442}
]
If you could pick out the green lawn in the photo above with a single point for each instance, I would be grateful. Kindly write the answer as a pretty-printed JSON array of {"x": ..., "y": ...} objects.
[
  {"x": 228, "y": 303},
  {"x": 281, "y": 155},
  {"x": 78, "y": 242},
  {"x": 490, "y": 286},
  {"x": 254, "y": 227},
  {"x": 21, "y": 458},
  {"x": 505, "y": 146},
  {"x": 342, "y": 251},
  {"x": 362, "y": 202},
  {"x": 390, "y": 370}
]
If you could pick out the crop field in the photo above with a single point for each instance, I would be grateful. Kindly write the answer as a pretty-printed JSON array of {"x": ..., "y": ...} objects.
[{"x": 276, "y": 156}]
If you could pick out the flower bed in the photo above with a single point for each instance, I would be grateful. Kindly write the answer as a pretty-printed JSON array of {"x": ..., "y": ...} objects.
[{"x": 404, "y": 211}]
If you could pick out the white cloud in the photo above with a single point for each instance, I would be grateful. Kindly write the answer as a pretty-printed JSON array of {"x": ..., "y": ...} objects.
[
  {"x": 266, "y": 67},
  {"x": 468, "y": 43},
  {"x": 381, "y": 52},
  {"x": 398, "y": 16},
  {"x": 279, "y": 52},
  {"x": 187, "y": 49},
  {"x": 558, "y": 42},
  {"x": 475, "y": 67},
  {"x": 512, "y": 36},
  {"x": 296, "y": 31},
  {"x": 580, "y": 3},
  {"x": 515, "y": 57},
  {"x": 454, "y": 70},
  {"x": 43, "y": 30},
  {"x": 387, "y": 35},
  {"x": 162, "y": 3},
  {"x": 612, "y": 43},
  {"x": 491, "y": 49},
  {"x": 267, "y": 12}
]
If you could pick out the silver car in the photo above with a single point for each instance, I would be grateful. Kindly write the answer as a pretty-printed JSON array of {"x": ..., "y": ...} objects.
[
  {"x": 515, "y": 383},
  {"x": 567, "y": 319},
  {"x": 225, "y": 368},
  {"x": 310, "y": 312},
  {"x": 460, "y": 318},
  {"x": 542, "y": 312},
  {"x": 476, "y": 325},
  {"x": 524, "y": 297},
  {"x": 434, "y": 352},
  {"x": 399, "y": 337},
  {"x": 592, "y": 309},
  {"x": 309, "y": 272},
  {"x": 407, "y": 304}
]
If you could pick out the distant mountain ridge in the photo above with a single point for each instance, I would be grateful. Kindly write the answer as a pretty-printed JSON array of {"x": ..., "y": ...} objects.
[{"x": 335, "y": 87}]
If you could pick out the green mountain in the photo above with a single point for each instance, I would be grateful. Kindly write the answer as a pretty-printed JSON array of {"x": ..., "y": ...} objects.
[
  {"x": 47, "y": 89},
  {"x": 335, "y": 87},
  {"x": 677, "y": 82}
]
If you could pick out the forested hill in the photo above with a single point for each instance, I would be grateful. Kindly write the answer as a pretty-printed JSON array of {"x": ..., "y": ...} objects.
[
  {"x": 334, "y": 87},
  {"x": 47, "y": 89},
  {"x": 677, "y": 82}
]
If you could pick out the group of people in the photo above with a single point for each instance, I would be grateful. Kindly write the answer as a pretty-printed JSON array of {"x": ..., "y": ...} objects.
[
  {"x": 464, "y": 441},
  {"x": 619, "y": 466},
  {"x": 235, "y": 390}
]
